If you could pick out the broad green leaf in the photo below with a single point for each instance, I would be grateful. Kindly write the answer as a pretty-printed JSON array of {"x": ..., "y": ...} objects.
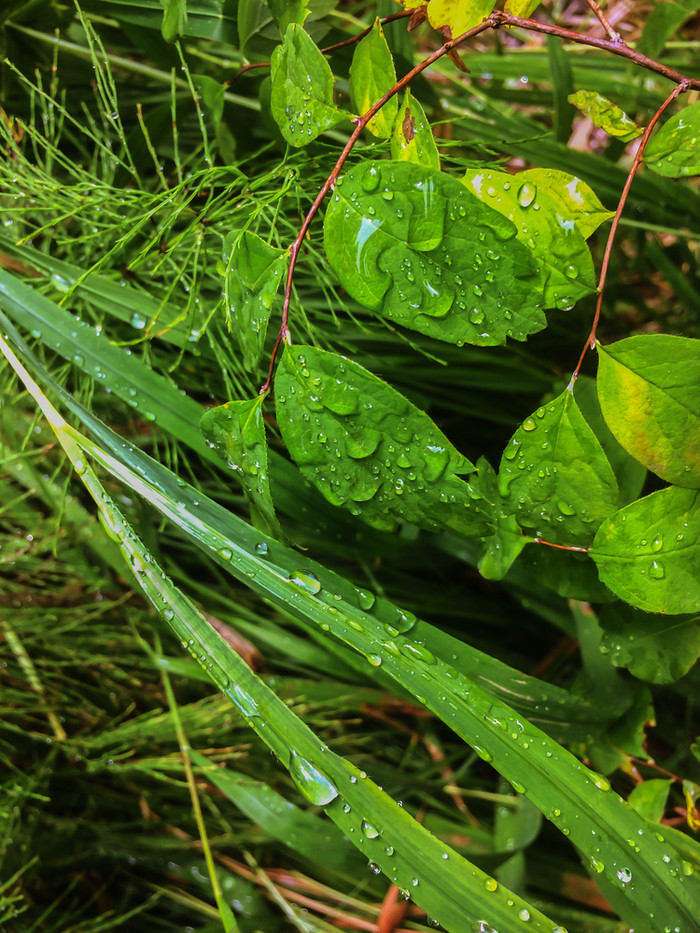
[
  {"x": 457, "y": 16},
  {"x": 302, "y": 89},
  {"x": 657, "y": 648},
  {"x": 649, "y": 552},
  {"x": 539, "y": 203},
  {"x": 568, "y": 573},
  {"x": 368, "y": 449},
  {"x": 174, "y": 21},
  {"x": 372, "y": 74},
  {"x": 237, "y": 431},
  {"x": 662, "y": 22},
  {"x": 289, "y": 11},
  {"x": 555, "y": 475},
  {"x": 412, "y": 139},
  {"x": 503, "y": 546},
  {"x": 521, "y": 8},
  {"x": 649, "y": 391},
  {"x": 606, "y": 115},
  {"x": 415, "y": 246},
  {"x": 674, "y": 151},
  {"x": 253, "y": 273},
  {"x": 649, "y": 798}
]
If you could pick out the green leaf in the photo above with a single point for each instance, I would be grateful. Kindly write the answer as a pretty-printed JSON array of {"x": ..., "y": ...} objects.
[
  {"x": 657, "y": 648},
  {"x": 662, "y": 22},
  {"x": 503, "y": 546},
  {"x": 254, "y": 270},
  {"x": 412, "y": 139},
  {"x": 415, "y": 246},
  {"x": 567, "y": 573},
  {"x": 302, "y": 89},
  {"x": 368, "y": 449},
  {"x": 555, "y": 476},
  {"x": 649, "y": 798},
  {"x": 649, "y": 391},
  {"x": 606, "y": 115},
  {"x": 288, "y": 11},
  {"x": 372, "y": 74},
  {"x": 521, "y": 8},
  {"x": 649, "y": 552},
  {"x": 674, "y": 151},
  {"x": 174, "y": 21},
  {"x": 549, "y": 210},
  {"x": 237, "y": 431}
]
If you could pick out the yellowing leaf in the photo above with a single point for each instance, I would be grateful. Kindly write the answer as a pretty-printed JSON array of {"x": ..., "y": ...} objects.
[
  {"x": 457, "y": 15},
  {"x": 521, "y": 7},
  {"x": 372, "y": 74},
  {"x": 412, "y": 139}
]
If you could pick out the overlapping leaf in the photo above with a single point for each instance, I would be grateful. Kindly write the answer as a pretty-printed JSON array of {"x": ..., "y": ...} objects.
[
  {"x": 502, "y": 547},
  {"x": 414, "y": 245},
  {"x": 554, "y": 213},
  {"x": 288, "y": 11},
  {"x": 649, "y": 552},
  {"x": 412, "y": 139},
  {"x": 649, "y": 391},
  {"x": 521, "y": 7},
  {"x": 674, "y": 151},
  {"x": 605, "y": 114},
  {"x": 452, "y": 17},
  {"x": 368, "y": 449},
  {"x": 555, "y": 475},
  {"x": 372, "y": 74},
  {"x": 302, "y": 89}
]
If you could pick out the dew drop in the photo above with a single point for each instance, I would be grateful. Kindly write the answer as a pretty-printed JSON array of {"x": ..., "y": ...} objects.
[
  {"x": 305, "y": 581},
  {"x": 526, "y": 195},
  {"x": 138, "y": 321},
  {"x": 368, "y": 830},
  {"x": 314, "y": 785},
  {"x": 529, "y": 424},
  {"x": 261, "y": 548},
  {"x": 624, "y": 875},
  {"x": 657, "y": 570}
]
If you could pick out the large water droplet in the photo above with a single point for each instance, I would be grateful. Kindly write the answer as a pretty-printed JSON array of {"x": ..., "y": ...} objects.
[
  {"x": 138, "y": 321},
  {"x": 306, "y": 581},
  {"x": 526, "y": 195},
  {"x": 313, "y": 783},
  {"x": 657, "y": 570},
  {"x": 371, "y": 179},
  {"x": 624, "y": 875},
  {"x": 529, "y": 424},
  {"x": 369, "y": 830}
]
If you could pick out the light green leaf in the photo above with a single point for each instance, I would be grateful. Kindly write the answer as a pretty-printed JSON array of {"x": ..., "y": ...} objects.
[
  {"x": 555, "y": 475},
  {"x": 372, "y": 74},
  {"x": 657, "y": 648},
  {"x": 412, "y": 139},
  {"x": 501, "y": 548},
  {"x": 649, "y": 391},
  {"x": 174, "y": 22},
  {"x": 662, "y": 22},
  {"x": 254, "y": 270},
  {"x": 649, "y": 552},
  {"x": 649, "y": 798},
  {"x": 289, "y": 11},
  {"x": 674, "y": 151},
  {"x": 414, "y": 245},
  {"x": 521, "y": 8},
  {"x": 605, "y": 114},
  {"x": 550, "y": 211},
  {"x": 368, "y": 449},
  {"x": 237, "y": 431},
  {"x": 302, "y": 89}
]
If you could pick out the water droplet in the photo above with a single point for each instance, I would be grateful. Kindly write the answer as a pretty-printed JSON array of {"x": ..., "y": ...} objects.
[
  {"x": 491, "y": 884},
  {"x": 374, "y": 868},
  {"x": 138, "y": 321},
  {"x": 371, "y": 180},
  {"x": 417, "y": 652},
  {"x": 261, "y": 548},
  {"x": 526, "y": 195},
  {"x": 226, "y": 553},
  {"x": 476, "y": 316},
  {"x": 657, "y": 570},
  {"x": 597, "y": 865},
  {"x": 305, "y": 581},
  {"x": 524, "y": 914},
  {"x": 624, "y": 875},
  {"x": 529, "y": 424},
  {"x": 369, "y": 830},
  {"x": 314, "y": 785},
  {"x": 168, "y": 615}
]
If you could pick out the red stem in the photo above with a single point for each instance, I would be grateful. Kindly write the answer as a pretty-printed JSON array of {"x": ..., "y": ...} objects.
[
  {"x": 561, "y": 547},
  {"x": 604, "y": 22},
  {"x": 590, "y": 341}
]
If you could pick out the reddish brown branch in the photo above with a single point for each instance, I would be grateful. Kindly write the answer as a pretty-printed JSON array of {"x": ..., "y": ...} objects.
[
  {"x": 561, "y": 547},
  {"x": 590, "y": 341},
  {"x": 612, "y": 34}
]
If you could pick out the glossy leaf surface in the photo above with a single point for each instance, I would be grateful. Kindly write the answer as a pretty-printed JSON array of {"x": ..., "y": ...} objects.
[
  {"x": 606, "y": 115},
  {"x": 302, "y": 89},
  {"x": 656, "y": 648},
  {"x": 649, "y": 798},
  {"x": 372, "y": 74},
  {"x": 414, "y": 245},
  {"x": 288, "y": 11},
  {"x": 649, "y": 552},
  {"x": 674, "y": 151},
  {"x": 254, "y": 272},
  {"x": 649, "y": 391},
  {"x": 412, "y": 139},
  {"x": 368, "y": 449},
  {"x": 553, "y": 213},
  {"x": 237, "y": 431},
  {"x": 555, "y": 476},
  {"x": 502, "y": 547}
]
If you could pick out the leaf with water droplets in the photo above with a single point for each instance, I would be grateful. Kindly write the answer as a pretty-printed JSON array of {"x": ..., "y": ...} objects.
[
  {"x": 674, "y": 151},
  {"x": 237, "y": 431},
  {"x": 368, "y": 449},
  {"x": 606, "y": 115},
  {"x": 649, "y": 552},
  {"x": 555, "y": 476},
  {"x": 412, "y": 139},
  {"x": 502, "y": 547},
  {"x": 288, "y": 11},
  {"x": 415, "y": 246},
  {"x": 372, "y": 74},
  {"x": 302, "y": 89},
  {"x": 553, "y": 213},
  {"x": 254, "y": 270},
  {"x": 649, "y": 391}
]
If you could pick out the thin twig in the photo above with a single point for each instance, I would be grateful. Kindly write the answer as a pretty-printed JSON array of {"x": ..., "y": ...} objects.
[
  {"x": 613, "y": 35},
  {"x": 561, "y": 547},
  {"x": 590, "y": 340}
]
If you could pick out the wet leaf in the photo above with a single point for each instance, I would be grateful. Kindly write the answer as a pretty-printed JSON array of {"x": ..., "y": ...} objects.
[
  {"x": 555, "y": 476},
  {"x": 502, "y": 547},
  {"x": 657, "y": 648},
  {"x": 649, "y": 552},
  {"x": 605, "y": 114},
  {"x": 254, "y": 271},
  {"x": 288, "y": 11},
  {"x": 237, "y": 431},
  {"x": 649, "y": 391},
  {"x": 412, "y": 139},
  {"x": 302, "y": 89},
  {"x": 553, "y": 213},
  {"x": 674, "y": 151},
  {"x": 368, "y": 449},
  {"x": 414, "y": 245},
  {"x": 372, "y": 74}
]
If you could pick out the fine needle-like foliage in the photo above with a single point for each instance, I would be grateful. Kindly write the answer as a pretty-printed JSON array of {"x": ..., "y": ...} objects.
[{"x": 354, "y": 345}]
